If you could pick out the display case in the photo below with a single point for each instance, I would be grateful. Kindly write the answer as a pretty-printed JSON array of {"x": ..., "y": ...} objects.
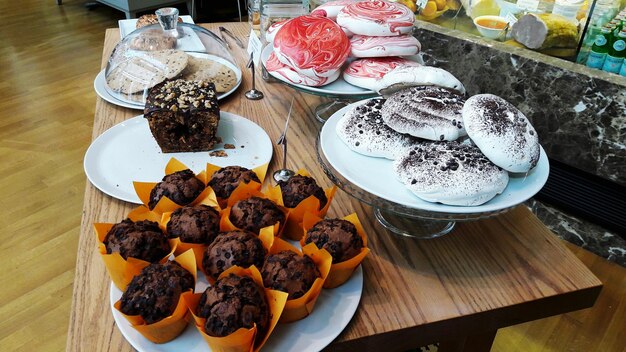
[{"x": 559, "y": 28}]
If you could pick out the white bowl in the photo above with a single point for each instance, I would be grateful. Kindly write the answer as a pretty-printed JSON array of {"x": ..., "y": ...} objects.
[{"x": 489, "y": 32}]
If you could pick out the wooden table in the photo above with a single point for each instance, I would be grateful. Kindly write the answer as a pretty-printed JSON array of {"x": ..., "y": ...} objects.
[{"x": 457, "y": 289}]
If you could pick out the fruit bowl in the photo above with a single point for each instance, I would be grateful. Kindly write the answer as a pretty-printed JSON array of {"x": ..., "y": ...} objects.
[
  {"x": 432, "y": 16},
  {"x": 432, "y": 9}
]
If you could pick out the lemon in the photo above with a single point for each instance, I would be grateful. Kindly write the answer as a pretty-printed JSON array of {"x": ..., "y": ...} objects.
[{"x": 429, "y": 9}]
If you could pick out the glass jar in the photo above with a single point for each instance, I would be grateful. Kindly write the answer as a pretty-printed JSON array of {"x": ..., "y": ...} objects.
[
  {"x": 254, "y": 15},
  {"x": 273, "y": 11}
]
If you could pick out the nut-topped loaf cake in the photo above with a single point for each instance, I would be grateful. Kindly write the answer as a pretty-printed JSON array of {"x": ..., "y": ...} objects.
[{"x": 183, "y": 115}]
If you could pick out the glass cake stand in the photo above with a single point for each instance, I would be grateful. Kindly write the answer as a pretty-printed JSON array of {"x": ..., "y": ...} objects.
[
  {"x": 371, "y": 181},
  {"x": 341, "y": 92}
]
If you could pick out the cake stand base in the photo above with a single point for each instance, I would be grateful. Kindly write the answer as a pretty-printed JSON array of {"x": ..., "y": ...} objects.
[
  {"x": 325, "y": 110},
  {"x": 413, "y": 226}
]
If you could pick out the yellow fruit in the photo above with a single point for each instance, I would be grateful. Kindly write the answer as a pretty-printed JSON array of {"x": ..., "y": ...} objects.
[
  {"x": 441, "y": 4},
  {"x": 408, "y": 3},
  {"x": 429, "y": 9},
  {"x": 454, "y": 4}
]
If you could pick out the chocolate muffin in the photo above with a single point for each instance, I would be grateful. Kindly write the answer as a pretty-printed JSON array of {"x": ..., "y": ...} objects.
[
  {"x": 255, "y": 213},
  {"x": 197, "y": 224},
  {"x": 242, "y": 248},
  {"x": 226, "y": 179},
  {"x": 142, "y": 240},
  {"x": 299, "y": 188},
  {"x": 339, "y": 237},
  {"x": 155, "y": 292},
  {"x": 181, "y": 187},
  {"x": 234, "y": 302},
  {"x": 289, "y": 272}
]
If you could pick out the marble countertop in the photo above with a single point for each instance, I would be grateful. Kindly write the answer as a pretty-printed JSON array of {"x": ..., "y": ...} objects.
[{"x": 583, "y": 233}]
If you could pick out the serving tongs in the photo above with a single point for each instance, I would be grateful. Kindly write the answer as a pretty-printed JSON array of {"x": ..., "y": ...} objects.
[{"x": 232, "y": 36}]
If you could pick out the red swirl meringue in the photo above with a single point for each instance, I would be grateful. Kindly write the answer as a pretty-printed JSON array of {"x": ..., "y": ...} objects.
[
  {"x": 376, "y": 67},
  {"x": 366, "y": 73},
  {"x": 331, "y": 9},
  {"x": 271, "y": 31},
  {"x": 313, "y": 46},
  {"x": 376, "y": 18},
  {"x": 366, "y": 46},
  {"x": 286, "y": 73}
]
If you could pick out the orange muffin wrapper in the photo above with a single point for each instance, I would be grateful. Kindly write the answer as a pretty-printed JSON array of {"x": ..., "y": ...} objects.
[
  {"x": 242, "y": 340},
  {"x": 143, "y": 213},
  {"x": 227, "y": 225},
  {"x": 143, "y": 189},
  {"x": 121, "y": 270},
  {"x": 175, "y": 165},
  {"x": 170, "y": 327},
  {"x": 293, "y": 226},
  {"x": 245, "y": 191},
  {"x": 197, "y": 248},
  {"x": 339, "y": 272},
  {"x": 299, "y": 308},
  {"x": 260, "y": 172},
  {"x": 266, "y": 235}
]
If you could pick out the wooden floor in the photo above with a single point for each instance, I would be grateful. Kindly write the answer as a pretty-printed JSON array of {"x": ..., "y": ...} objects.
[{"x": 49, "y": 56}]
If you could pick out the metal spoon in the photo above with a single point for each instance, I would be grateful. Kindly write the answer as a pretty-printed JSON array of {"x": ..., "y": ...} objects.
[{"x": 284, "y": 174}]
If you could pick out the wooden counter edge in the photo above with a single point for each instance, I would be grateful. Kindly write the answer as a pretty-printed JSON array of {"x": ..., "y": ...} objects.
[{"x": 458, "y": 328}]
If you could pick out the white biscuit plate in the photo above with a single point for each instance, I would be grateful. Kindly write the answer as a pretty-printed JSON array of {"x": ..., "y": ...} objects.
[
  {"x": 333, "y": 311},
  {"x": 122, "y": 100},
  {"x": 99, "y": 84},
  {"x": 127, "y": 152},
  {"x": 376, "y": 176}
]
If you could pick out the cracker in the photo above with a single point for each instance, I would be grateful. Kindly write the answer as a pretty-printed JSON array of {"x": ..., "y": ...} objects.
[
  {"x": 199, "y": 69},
  {"x": 147, "y": 70}
]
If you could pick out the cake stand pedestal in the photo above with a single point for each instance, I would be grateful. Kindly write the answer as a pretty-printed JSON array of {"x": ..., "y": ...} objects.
[
  {"x": 399, "y": 219},
  {"x": 412, "y": 226}
]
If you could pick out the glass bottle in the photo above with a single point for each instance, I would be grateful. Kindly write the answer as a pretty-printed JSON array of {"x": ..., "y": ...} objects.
[
  {"x": 617, "y": 52},
  {"x": 599, "y": 49}
]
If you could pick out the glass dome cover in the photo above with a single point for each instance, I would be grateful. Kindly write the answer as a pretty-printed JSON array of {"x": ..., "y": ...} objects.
[{"x": 169, "y": 50}]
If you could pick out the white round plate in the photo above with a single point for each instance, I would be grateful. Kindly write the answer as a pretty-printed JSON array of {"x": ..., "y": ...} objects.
[
  {"x": 99, "y": 84},
  {"x": 333, "y": 311},
  {"x": 116, "y": 98},
  {"x": 376, "y": 176},
  {"x": 127, "y": 152},
  {"x": 339, "y": 87}
]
